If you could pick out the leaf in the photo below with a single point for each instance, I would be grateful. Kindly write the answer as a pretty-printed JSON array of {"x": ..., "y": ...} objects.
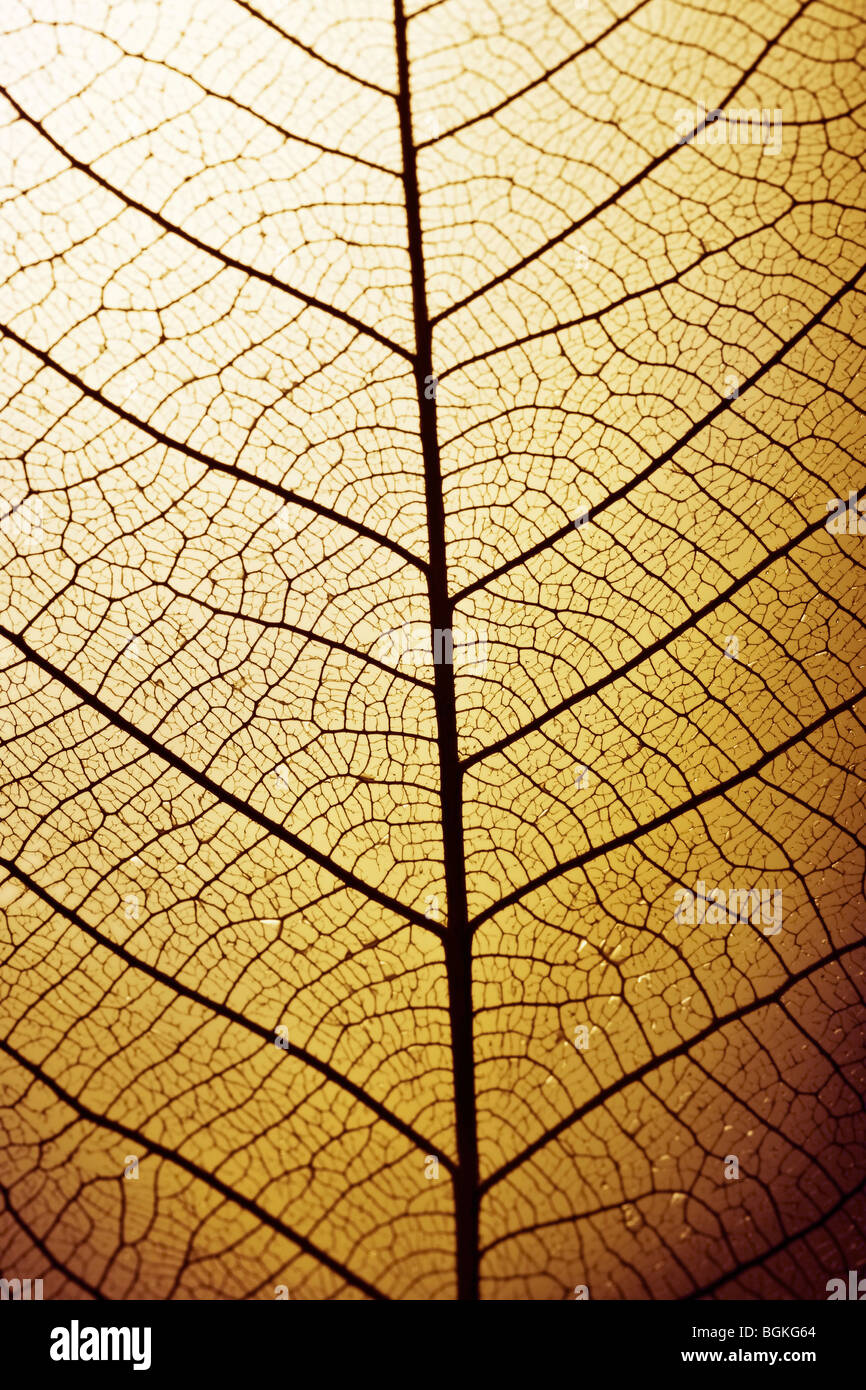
[{"x": 433, "y": 821}]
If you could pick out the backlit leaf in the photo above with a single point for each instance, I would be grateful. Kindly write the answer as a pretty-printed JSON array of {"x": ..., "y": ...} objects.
[{"x": 430, "y": 688}]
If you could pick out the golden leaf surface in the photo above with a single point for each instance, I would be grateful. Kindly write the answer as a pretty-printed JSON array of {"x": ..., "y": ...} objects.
[{"x": 430, "y": 683}]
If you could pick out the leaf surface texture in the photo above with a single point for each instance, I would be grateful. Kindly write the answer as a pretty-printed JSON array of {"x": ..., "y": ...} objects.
[{"x": 325, "y": 323}]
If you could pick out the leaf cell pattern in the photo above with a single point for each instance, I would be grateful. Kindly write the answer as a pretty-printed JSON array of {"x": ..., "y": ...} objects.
[{"x": 322, "y": 324}]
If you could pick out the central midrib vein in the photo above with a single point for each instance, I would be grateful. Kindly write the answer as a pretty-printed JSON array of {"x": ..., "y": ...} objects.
[{"x": 458, "y": 940}]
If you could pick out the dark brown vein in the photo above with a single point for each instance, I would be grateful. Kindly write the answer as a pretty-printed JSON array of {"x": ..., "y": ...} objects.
[
  {"x": 225, "y": 1011},
  {"x": 209, "y": 1179},
  {"x": 220, "y": 794},
  {"x": 311, "y": 52},
  {"x": 654, "y": 1063},
  {"x": 232, "y": 470},
  {"x": 619, "y": 192},
  {"x": 691, "y": 433},
  {"x": 717, "y": 601},
  {"x": 536, "y": 81},
  {"x": 458, "y": 937},
  {"x": 665, "y": 818},
  {"x": 221, "y": 256}
]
